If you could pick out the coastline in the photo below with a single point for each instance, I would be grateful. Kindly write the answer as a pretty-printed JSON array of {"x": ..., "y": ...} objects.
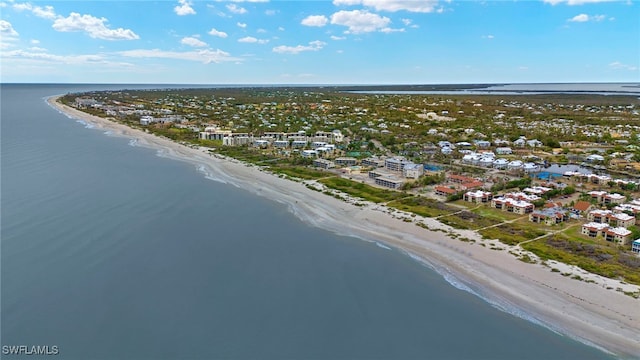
[{"x": 585, "y": 311}]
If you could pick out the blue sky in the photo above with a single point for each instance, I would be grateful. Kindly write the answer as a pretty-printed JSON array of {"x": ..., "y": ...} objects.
[{"x": 320, "y": 42}]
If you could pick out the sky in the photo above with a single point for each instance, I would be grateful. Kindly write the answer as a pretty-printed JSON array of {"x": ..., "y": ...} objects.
[{"x": 319, "y": 42}]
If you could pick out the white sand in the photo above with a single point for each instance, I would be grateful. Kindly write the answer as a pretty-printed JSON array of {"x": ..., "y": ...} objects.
[{"x": 586, "y": 311}]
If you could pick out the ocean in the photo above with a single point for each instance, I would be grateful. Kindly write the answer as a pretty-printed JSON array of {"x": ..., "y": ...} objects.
[{"x": 113, "y": 251}]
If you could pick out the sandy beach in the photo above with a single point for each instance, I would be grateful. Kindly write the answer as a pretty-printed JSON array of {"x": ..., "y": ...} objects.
[{"x": 595, "y": 312}]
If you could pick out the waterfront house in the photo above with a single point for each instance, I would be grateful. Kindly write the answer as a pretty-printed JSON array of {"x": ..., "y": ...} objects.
[
  {"x": 635, "y": 247},
  {"x": 550, "y": 216},
  {"x": 413, "y": 171},
  {"x": 581, "y": 207},
  {"x": 593, "y": 229},
  {"x": 477, "y": 196},
  {"x": 388, "y": 181},
  {"x": 445, "y": 191},
  {"x": 512, "y": 205},
  {"x": 324, "y": 163},
  {"x": 346, "y": 161}
]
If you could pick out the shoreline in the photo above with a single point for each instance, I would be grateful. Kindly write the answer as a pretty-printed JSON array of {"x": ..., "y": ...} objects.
[{"x": 587, "y": 312}]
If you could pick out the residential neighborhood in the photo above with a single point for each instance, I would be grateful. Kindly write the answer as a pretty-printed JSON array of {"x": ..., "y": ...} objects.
[{"x": 540, "y": 168}]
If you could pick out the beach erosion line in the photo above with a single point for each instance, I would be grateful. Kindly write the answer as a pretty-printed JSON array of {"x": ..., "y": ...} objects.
[{"x": 374, "y": 226}]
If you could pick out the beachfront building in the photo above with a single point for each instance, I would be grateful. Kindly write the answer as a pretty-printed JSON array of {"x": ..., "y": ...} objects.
[
  {"x": 385, "y": 179},
  {"x": 635, "y": 247},
  {"x": 593, "y": 229},
  {"x": 413, "y": 171},
  {"x": 324, "y": 163},
  {"x": 281, "y": 144},
  {"x": 373, "y": 162},
  {"x": 549, "y": 216},
  {"x": 346, "y": 161},
  {"x": 504, "y": 151},
  {"x": 260, "y": 143},
  {"x": 617, "y": 235},
  {"x": 512, "y": 205},
  {"x": 609, "y": 217},
  {"x": 477, "y": 196},
  {"x": 613, "y": 234},
  {"x": 605, "y": 198},
  {"x": 396, "y": 163},
  {"x": 444, "y": 191}
]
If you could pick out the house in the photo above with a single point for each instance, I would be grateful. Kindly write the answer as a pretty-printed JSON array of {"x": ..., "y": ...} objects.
[
  {"x": 593, "y": 229},
  {"x": 260, "y": 143},
  {"x": 613, "y": 199},
  {"x": 613, "y": 234},
  {"x": 504, "y": 151},
  {"x": 613, "y": 219},
  {"x": 635, "y": 247},
  {"x": 413, "y": 171},
  {"x": 459, "y": 179},
  {"x": 282, "y": 144},
  {"x": 324, "y": 163},
  {"x": 396, "y": 163},
  {"x": 346, "y": 161},
  {"x": 550, "y": 216},
  {"x": 389, "y": 182},
  {"x": 445, "y": 191},
  {"x": 309, "y": 153},
  {"x": 617, "y": 235},
  {"x": 581, "y": 207},
  {"x": 477, "y": 196},
  {"x": 373, "y": 162},
  {"x": 472, "y": 185},
  {"x": 512, "y": 205}
]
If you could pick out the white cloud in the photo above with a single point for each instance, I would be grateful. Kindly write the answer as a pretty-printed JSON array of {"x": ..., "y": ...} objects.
[
  {"x": 46, "y": 12},
  {"x": 488, "y": 37},
  {"x": 184, "y": 8},
  {"x": 315, "y": 20},
  {"x": 35, "y": 42},
  {"x": 252, "y": 40},
  {"x": 388, "y": 30},
  {"x": 580, "y": 18},
  {"x": 217, "y": 33},
  {"x": 192, "y": 41},
  {"x": 313, "y": 46},
  {"x": 242, "y": 25},
  {"x": 6, "y": 29},
  {"x": 93, "y": 26},
  {"x": 359, "y": 21},
  {"x": 236, "y": 9},
  {"x": 333, "y": 37},
  {"x": 575, "y": 2},
  {"x": 616, "y": 65},
  {"x": 420, "y": 6},
  {"x": 206, "y": 56},
  {"x": 38, "y": 54},
  {"x": 270, "y": 12},
  {"x": 261, "y": 31},
  {"x": 585, "y": 18}
]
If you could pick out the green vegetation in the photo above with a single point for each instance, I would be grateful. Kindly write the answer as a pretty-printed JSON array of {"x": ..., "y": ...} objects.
[
  {"x": 468, "y": 220},
  {"x": 421, "y": 206},
  {"x": 601, "y": 259},
  {"x": 361, "y": 190},
  {"x": 513, "y": 233}
]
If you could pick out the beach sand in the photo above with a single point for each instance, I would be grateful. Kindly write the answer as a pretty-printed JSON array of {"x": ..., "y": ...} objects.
[{"x": 586, "y": 311}]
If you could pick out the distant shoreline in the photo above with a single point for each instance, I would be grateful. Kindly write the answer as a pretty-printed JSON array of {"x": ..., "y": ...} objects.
[{"x": 585, "y": 311}]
